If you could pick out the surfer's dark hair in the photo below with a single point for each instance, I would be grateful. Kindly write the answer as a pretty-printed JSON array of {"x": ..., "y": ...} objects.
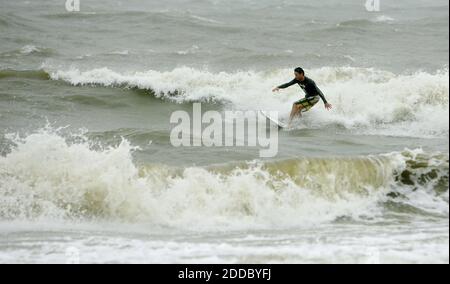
[{"x": 299, "y": 70}]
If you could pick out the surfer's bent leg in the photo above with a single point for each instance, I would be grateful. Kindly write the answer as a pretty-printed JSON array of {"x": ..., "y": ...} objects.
[{"x": 296, "y": 109}]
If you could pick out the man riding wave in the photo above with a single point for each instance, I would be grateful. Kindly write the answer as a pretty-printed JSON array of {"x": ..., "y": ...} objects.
[{"x": 312, "y": 94}]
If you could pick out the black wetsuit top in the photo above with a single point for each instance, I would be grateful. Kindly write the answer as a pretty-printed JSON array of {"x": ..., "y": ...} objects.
[{"x": 309, "y": 87}]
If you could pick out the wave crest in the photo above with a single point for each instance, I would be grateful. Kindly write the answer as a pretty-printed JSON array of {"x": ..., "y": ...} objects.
[{"x": 45, "y": 176}]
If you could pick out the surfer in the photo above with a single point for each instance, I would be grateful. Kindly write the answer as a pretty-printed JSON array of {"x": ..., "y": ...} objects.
[{"x": 311, "y": 90}]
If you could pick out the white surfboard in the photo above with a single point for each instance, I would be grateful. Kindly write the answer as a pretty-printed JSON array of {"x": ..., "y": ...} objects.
[{"x": 273, "y": 120}]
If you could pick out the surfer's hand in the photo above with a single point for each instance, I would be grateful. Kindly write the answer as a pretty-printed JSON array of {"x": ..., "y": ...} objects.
[
  {"x": 276, "y": 89},
  {"x": 328, "y": 106}
]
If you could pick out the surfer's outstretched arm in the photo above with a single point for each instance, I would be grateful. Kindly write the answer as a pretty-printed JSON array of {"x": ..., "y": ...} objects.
[{"x": 284, "y": 86}]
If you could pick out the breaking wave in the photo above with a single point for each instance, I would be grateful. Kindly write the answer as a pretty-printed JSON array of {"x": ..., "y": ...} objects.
[
  {"x": 45, "y": 175},
  {"x": 368, "y": 101}
]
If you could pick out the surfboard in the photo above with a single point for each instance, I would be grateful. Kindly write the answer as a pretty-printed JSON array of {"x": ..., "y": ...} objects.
[{"x": 278, "y": 123}]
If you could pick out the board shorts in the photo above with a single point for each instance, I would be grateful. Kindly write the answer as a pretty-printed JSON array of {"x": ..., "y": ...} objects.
[{"x": 307, "y": 103}]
